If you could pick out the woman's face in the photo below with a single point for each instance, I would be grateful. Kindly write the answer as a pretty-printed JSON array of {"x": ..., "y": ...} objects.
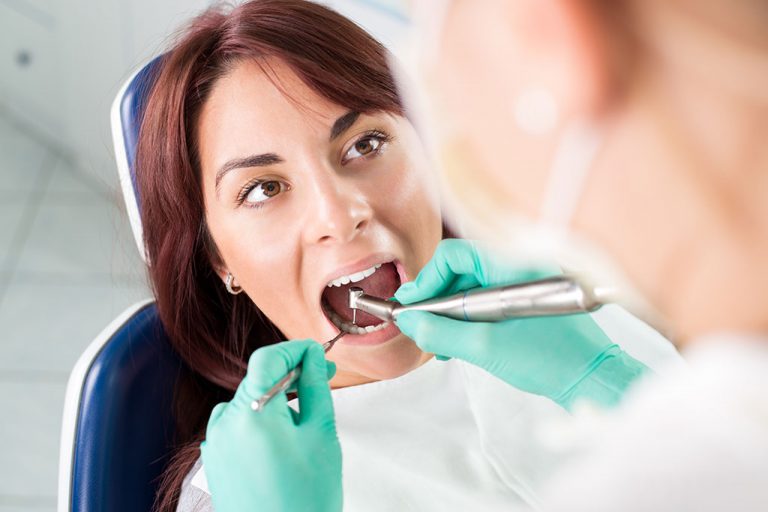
[{"x": 301, "y": 193}]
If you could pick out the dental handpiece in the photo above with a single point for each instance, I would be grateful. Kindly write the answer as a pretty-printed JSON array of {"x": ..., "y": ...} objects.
[{"x": 560, "y": 295}]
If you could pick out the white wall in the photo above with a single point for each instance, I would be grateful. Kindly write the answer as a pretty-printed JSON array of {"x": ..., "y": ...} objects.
[
  {"x": 30, "y": 92},
  {"x": 103, "y": 41},
  {"x": 82, "y": 50}
]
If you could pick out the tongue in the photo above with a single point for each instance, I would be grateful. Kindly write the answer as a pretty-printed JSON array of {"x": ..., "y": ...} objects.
[{"x": 382, "y": 283}]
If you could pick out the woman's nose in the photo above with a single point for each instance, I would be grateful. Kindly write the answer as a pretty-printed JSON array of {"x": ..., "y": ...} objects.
[{"x": 337, "y": 213}]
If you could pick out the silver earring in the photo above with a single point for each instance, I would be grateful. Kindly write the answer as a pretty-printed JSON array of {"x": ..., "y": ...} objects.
[
  {"x": 536, "y": 111},
  {"x": 234, "y": 290}
]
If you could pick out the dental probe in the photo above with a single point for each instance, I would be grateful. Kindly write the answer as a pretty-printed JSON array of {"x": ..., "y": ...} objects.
[
  {"x": 560, "y": 295},
  {"x": 289, "y": 380}
]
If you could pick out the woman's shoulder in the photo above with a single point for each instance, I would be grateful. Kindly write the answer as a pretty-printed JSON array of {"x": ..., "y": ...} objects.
[{"x": 192, "y": 499}]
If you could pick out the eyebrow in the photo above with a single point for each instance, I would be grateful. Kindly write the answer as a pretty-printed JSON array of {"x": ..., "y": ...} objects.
[
  {"x": 341, "y": 125},
  {"x": 262, "y": 160}
]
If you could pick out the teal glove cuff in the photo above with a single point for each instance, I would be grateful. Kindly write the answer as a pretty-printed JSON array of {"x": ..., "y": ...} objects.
[{"x": 612, "y": 373}]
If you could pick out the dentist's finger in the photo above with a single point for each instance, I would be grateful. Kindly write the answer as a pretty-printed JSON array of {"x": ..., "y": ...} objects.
[
  {"x": 438, "y": 335},
  {"x": 216, "y": 414},
  {"x": 451, "y": 269},
  {"x": 266, "y": 367},
  {"x": 315, "y": 401}
]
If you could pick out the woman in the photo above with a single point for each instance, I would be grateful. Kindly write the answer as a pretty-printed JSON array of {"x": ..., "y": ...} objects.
[
  {"x": 276, "y": 167},
  {"x": 283, "y": 201}
]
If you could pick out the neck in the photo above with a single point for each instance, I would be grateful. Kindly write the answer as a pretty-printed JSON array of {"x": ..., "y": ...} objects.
[{"x": 347, "y": 378}]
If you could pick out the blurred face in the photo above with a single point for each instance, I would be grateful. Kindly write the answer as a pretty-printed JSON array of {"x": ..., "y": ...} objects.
[
  {"x": 304, "y": 199},
  {"x": 501, "y": 123},
  {"x": 487, "y": 162},
  {"x": 667, "y": 204}
]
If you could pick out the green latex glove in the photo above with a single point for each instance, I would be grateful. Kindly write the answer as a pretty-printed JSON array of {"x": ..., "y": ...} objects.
[
  {"x": 565, "y": 358},
  {"x": 276, "y": 459}
]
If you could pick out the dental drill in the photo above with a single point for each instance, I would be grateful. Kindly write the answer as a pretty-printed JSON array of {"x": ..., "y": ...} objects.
[{"x": 560, "y": 295}]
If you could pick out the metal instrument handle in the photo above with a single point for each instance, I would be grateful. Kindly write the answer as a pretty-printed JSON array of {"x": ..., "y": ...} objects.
[{"x": 289, "y": 380}]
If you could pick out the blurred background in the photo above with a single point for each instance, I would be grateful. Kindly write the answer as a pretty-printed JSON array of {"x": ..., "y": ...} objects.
[{"x": 68, "y": 261}]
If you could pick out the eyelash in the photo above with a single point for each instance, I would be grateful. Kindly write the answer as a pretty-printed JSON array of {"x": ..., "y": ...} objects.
[
  {"x": 248, "y": 188},
  {"x": 378, "y": 135}
]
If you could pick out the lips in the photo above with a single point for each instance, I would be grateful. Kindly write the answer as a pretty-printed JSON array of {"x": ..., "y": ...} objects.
[{"x": 377, "y": 279}]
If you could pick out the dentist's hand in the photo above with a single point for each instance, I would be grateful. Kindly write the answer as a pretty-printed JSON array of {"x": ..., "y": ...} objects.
[
  {"x": 276, "y": 459},
  {"x": 565, "y": 358}
]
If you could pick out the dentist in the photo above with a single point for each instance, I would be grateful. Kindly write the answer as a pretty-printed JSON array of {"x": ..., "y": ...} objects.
[{"x": 625, "y": 140}]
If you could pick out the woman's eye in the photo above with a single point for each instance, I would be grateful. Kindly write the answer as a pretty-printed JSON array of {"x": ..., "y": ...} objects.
[
  {"x": 366, "y": 146},
  {"x": 263, "y": 191}
]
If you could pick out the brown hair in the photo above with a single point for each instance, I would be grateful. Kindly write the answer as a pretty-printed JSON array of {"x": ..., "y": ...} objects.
[{"x": 213, "y": 331}]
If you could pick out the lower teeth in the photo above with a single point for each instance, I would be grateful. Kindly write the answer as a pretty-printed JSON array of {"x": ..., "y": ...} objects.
[{"x": 351, "y": 328}]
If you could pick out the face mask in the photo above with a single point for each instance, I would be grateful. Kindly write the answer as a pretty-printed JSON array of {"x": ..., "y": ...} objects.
[{"x": 481, "y": 211}]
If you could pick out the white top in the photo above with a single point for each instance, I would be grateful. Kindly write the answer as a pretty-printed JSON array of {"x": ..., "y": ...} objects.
[
  {"x": 690, "y": 440},
  {"x": 449, "y": 436}
]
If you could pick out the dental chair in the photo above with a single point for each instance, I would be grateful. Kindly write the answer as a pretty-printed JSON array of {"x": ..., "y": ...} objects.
[{"x": 118, "y": 423}]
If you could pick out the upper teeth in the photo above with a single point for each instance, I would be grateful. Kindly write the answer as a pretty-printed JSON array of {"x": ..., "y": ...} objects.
[{"x": 353, "y": 278}]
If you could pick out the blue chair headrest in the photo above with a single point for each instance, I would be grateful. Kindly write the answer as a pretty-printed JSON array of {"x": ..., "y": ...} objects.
[{"x": 127, "y": 114}]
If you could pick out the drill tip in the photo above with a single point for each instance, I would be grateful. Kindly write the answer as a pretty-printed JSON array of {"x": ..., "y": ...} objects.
[{"x": 354, "y": 293}]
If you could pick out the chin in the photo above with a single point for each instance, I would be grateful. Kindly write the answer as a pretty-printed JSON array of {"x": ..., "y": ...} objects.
[{"x": 389, "y": 360}]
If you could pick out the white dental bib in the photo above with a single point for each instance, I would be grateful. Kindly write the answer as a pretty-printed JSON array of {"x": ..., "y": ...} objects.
[
  {"x": 420, "y": 442},
  {"x": 449, "y": 436}
]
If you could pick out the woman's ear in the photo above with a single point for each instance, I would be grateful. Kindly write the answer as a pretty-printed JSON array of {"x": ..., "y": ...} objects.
[
  {"x": 216, "y": 261},
  {"x": 221, "y": 271},
  {"x": 230, "y": 283}
]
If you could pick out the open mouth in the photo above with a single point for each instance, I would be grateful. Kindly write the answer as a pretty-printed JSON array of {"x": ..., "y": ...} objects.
[{"x": 381, "y": 280}]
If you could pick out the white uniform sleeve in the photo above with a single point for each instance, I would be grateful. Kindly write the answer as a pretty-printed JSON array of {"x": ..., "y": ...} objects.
[{"x": 695, "y": 440}]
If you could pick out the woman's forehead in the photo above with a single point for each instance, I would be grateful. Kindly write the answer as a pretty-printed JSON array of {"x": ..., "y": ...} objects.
[
  {"x": 253, "y": 111},
  {"x": 267, "y": 94}
]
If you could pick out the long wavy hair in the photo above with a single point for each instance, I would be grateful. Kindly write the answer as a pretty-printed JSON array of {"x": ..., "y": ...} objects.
[{"x": 215, "y": 332}]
